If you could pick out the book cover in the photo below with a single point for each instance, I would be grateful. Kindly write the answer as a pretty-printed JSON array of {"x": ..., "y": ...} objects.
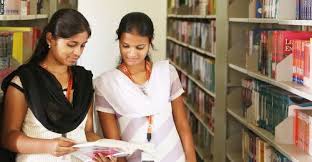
[{"x": 109, "y": 148}]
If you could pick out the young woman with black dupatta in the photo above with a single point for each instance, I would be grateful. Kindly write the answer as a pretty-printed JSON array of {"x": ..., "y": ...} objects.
[{"x": 48, "y": 101}]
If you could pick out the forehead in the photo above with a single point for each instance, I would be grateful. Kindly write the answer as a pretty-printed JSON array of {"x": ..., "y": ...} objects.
[
  {"x": 132, "y": 38},
  {"x": 80, "y": 37}
]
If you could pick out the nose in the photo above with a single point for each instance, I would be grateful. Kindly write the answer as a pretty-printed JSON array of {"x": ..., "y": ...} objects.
[
  {"x": 132, "y": 52},
  {"x": 77, "y": 51}
]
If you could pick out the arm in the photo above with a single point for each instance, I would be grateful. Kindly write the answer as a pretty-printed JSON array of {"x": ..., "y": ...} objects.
[
  {"x": 183, "y": 128},
  {"x": 110, "y": 128},
  {"x": 15, "y": 109},
  {"x": 91, "y": 136}
]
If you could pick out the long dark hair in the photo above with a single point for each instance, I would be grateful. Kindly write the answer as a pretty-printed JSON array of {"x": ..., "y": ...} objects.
[
  {"x": 64, "y": 23},
  {"x": 139, "y": 23}
]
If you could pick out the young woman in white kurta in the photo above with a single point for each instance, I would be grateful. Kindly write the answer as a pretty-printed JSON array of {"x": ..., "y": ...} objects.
[{"x": 125, "y": 97}]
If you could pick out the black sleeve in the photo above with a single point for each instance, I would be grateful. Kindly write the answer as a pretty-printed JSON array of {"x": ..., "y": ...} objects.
[{"x": 16, "y": 86}]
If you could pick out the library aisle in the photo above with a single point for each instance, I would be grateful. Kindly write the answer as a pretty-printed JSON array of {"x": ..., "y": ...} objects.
[{"x": 245, "y": 65}]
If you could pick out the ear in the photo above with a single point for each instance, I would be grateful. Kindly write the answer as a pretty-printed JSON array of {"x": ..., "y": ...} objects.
[{"x": 49, "y": 38}]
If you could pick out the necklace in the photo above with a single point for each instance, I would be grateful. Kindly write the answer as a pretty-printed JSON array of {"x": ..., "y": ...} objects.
[{"x": 122, "y": 67}]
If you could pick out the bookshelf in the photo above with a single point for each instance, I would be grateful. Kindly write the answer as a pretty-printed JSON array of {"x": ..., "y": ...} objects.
[
  {"x": 236, "y": 64},
  {"x": 200, "y": 51},
  {"x": 196, "y": 43}
]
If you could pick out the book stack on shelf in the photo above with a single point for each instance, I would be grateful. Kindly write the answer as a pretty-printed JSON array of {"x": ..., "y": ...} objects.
[
  {"x": 191, "y": 7},
  {"x": 12, "y": 10},
  {"x": 269, "y": 60},
  {"x": 191, "y": 48}
]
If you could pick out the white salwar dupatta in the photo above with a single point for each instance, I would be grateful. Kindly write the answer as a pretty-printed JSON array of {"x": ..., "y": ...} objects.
[{"x": 127, "y": 98}]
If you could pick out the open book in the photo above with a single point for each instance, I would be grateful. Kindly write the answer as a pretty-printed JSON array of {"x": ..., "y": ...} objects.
[{"x": 109, "y": 148}]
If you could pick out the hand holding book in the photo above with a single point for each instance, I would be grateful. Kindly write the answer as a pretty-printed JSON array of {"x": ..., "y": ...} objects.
[{"x": 109, "y": 148}]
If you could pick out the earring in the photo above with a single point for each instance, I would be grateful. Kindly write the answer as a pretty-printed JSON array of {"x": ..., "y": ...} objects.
[{"x": 49, "y": 46}]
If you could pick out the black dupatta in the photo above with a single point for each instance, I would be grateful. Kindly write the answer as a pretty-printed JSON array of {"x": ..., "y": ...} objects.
[{"x": 47, "y": 101}]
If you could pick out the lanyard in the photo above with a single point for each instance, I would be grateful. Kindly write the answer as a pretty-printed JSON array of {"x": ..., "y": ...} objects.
[
  {"x": 69, "y": 86},
  {"x": 69, "y": 89},
  {"x": 124, "y": 69}
]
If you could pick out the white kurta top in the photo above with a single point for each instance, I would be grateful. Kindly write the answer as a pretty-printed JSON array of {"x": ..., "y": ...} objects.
[
  {"x": 33, "y": 128},
  {"x": 133, "y": 127}
]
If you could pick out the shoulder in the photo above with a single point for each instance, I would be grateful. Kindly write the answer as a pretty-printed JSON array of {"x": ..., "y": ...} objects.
[
  {"x": 105, "y": 77},
  {"x": 162, "y": 63},
  {"x": 82, "y": 71},
  {"x": 80, "y": 68}
]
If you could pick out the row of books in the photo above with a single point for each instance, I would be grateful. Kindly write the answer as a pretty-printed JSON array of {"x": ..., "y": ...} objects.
[
  {"x": 302, "y": 50},
  {"x": 192, "y": 7},
  {"x": 303, "y": 129},
  {"x": 197, "y": 34},
  {"x": 202, "y": 138},
  {"x": 202, "y": 103},
  {"x": 277, "y": 54},
  {"x": 266, "y": 106},
  {"x": 16, "y": 47},
  {"x": 276, "y": 9},
  {"x": 201, "y": 68},
  {"x": 254, "y": 149},
  {"x": 6, "y": 46},
  {"x": 20, "y": 7}
]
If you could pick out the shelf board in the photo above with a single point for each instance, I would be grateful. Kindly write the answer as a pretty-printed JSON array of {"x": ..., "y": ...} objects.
[
  {"x": 198, "y": 83},
  {"x": 290, "y": 151},
  {"x": 271, "y": 21},
  {"x": 201, "y": 51},
  {"x": 253, "y": 20},
  {"x": 296, "y": 22},
  {"x": 234, "y": 156},
  {"x": 22, "y": 17},
  {"x": 191, "y": 108},
  {"x": 201, "y": 151},
  {"x": 294, "y": 88},
  {"x": 192, "y": 16}
]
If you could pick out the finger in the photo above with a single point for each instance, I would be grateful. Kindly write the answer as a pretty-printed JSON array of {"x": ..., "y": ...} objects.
[
  {"x": 113, "y": 159},
  {"x": 67, "y": 139},
  {"x": 97, "y": 159},
  {"x": 66, "y": 149},
  {"x": 61, "y": 153},
  {"x": 103, "y": 158},
  {"x": 66, "y": 143}
]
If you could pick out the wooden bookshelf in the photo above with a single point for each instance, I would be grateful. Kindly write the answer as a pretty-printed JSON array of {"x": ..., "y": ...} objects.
[
  {"x": 294, "y": 88},
  {"x": 196, "y": 81},
  {"x": 198, "y": 117},
  {"x": 234, "y": 156},
  {"x": 192, "y": 16},
  {"x": 22, "y": 17},
  {"x": 201, "y": 151},
  {"x": 290, "y": 151},
  {"x": 198, "y": 50},
  {"x": 271, "y": 21}
]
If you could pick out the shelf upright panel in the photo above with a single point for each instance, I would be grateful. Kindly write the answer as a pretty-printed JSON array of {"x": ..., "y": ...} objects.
[{"x": 221, "y": 70}]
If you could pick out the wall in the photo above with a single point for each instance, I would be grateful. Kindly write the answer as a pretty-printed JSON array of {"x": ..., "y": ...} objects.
[{"x": 101, "y": 52}]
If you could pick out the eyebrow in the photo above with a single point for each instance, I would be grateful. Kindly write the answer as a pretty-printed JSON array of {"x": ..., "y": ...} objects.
[
  {"x": 135, "y": 45},
  {"x": 78, "y": 42}
]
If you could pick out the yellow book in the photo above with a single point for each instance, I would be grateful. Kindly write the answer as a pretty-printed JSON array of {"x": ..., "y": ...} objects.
[
  {"x": 17, "y": 52},
  {"x": 16, "y": 29}
]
